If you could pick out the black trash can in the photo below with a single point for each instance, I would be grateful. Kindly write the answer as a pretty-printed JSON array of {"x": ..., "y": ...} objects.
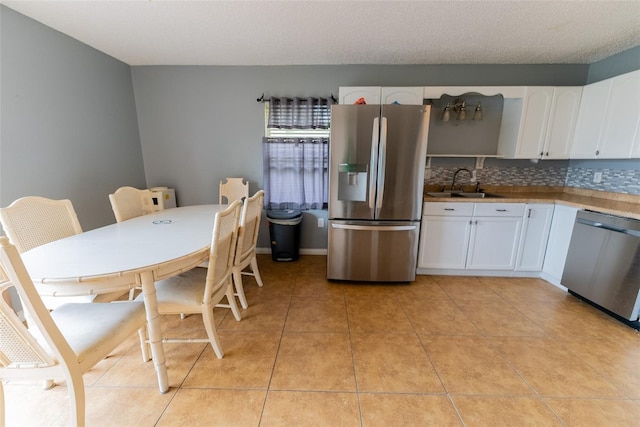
[{"x": 284, "y": 229}]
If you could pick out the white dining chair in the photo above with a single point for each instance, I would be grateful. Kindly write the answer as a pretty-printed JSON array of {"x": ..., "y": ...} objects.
[
  {"x": 246, "y": 247},
  {"x": 62, "y": 344},
  {"x": 33, "y": 221},
  {"x": 233, "y": 189},
  {"x": 199, "y": 290},
  {"x": 130, "y": 202}
]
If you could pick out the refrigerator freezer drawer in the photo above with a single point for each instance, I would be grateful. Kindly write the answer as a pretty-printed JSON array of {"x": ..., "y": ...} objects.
[{"x": 375, "y": 251}]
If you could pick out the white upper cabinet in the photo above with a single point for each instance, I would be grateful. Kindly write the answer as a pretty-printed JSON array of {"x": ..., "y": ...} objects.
[
  {"x": 565, "y": 106},
  {"x": 381, "y": 95},
  {"x": 533, "y": 123},
  {"x": 622, "y": 120},
  {"x": 351, "y": 94},
  {"x": 590, "y": 120},
  {"x": 543, "y": 126},
  {"x": 403, "y": 95},
  {"x": 609, "y": 120}
]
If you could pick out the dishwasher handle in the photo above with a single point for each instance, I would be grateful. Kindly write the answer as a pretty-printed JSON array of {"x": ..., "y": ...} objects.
[{"x": 608, "y": 227}]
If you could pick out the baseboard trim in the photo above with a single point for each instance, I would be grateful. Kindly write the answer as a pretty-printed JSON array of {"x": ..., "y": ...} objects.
[
  {"x": 493, "y": 273},
  {"x": 553, "y": 280},
  {"x": 303, "y": 251}
]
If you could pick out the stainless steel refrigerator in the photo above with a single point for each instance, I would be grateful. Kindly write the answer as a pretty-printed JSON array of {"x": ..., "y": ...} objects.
[{"x": 376, "y": 176}]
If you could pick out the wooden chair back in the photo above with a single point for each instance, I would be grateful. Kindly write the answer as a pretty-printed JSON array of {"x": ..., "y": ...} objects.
[{"x": 33, "y": 221}]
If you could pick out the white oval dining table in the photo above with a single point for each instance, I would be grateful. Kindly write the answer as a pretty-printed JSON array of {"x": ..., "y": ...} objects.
[{"x": 135, "y": 252}]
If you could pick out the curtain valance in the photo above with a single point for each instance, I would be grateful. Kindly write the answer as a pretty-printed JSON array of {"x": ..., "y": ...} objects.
[{"x": 299, "y": 113}]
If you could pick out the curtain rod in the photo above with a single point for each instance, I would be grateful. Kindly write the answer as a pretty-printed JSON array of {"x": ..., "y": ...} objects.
[{"x": 263, "y": 99}]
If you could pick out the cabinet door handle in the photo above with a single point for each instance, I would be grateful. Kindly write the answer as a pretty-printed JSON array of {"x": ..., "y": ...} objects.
[
  {"x": 449, "y": 209},
  {"x": 501, "y": 210},
  {"x": 597, "y": 152},
  {"x": 529, "y": 214}
]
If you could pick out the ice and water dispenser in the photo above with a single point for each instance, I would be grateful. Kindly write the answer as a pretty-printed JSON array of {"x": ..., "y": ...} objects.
[{"x": 352, "y": 182}]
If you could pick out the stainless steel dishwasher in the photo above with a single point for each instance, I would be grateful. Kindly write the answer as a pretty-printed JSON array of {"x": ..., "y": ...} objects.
[{"x": 603, "y": 263}]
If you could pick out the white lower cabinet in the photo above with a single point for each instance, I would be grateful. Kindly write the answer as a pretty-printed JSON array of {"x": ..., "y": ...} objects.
[
  {"x": 493, "y": 243},
  {"x": 473, "y": 236},
  {"x": 522, "y": 238},
  {"x": 444, "y": 241},
  {"x": 558, "y": 244},
  {"x": 535, "y": 233},
  {"x": 495, "y": 234}
]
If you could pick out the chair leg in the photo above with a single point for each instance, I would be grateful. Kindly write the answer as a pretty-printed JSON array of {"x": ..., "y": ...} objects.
[
  {"x": 132, "y": 294},
  {"x": 237, "y": 282},
  {"x": 144, "y": 346},
  {"x": 210, "y": 326},
  {"x": 232, "y": 301},
  {"x": 2, "y": 414},
  {"x": 256, "y": 272},
  {"x": 75, "y": 385}
]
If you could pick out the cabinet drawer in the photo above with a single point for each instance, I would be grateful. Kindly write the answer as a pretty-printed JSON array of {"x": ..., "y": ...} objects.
[
  {"x": 499, "y": 209},
  {"x": 447, "y": 209}
]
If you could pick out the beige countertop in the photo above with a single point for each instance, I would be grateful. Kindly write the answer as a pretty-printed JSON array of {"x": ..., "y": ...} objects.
[{"x": 626, "y": 205}]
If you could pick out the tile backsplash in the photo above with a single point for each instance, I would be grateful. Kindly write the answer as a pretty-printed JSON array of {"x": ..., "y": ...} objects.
[
  {"x": 509, "y": 176},
  {"x": 613, "y": 180}
]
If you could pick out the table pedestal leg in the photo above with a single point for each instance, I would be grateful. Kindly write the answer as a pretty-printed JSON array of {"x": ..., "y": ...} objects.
[{"x": 154, "y": 331}]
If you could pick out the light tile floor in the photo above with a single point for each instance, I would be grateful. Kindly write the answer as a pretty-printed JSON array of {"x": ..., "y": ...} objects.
[{"x": 441, "y": 351}]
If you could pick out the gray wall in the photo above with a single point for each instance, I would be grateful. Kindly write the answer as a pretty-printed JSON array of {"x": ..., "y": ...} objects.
[
  {"x": 68, "y": 127},
  {"x": 199, "y": 124},
  {"x": 622, "y": 63},
  {"x": 69, "y": 123}
]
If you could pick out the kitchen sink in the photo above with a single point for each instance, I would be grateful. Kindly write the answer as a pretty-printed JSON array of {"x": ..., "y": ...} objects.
[
  {"x": 478, "y": 195},
  {"x": 470, "y": 195}
]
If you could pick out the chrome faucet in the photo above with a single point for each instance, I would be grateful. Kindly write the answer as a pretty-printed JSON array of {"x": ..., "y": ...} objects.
[{"x": 453, "y": 182}]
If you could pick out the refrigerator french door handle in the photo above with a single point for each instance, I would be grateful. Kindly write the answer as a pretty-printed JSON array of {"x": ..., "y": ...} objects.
[
  {"x": 375, "y": 227},
  {"x": 382, "y": 162},
  {"x": 375, "y": 135}
]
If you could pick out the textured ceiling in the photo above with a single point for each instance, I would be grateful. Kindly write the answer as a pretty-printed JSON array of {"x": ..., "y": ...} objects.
[{"x": 273, "y": 32}]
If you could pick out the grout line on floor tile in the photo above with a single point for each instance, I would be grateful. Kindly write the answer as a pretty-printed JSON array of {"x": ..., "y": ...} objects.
[{"x": 275, "y": 359}]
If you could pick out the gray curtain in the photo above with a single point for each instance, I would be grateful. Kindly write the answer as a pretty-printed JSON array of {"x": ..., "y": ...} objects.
[
  {"x": 296, "y": 169},
  {"x": 295, "y": 172},
  {"x": 299, "y": 113}
]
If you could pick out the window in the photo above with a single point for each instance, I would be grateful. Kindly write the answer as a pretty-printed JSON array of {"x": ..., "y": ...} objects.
[{"x": 296, "y": 152}]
